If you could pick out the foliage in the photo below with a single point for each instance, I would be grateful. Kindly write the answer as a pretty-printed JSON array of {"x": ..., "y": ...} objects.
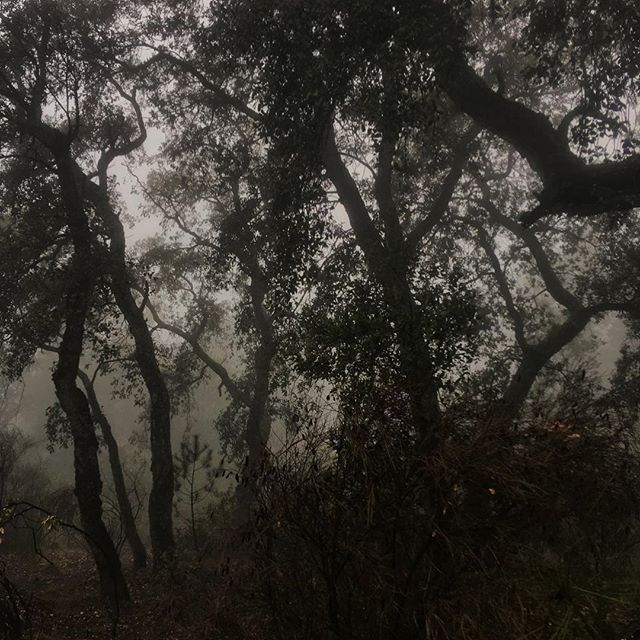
[
  {"x": 342, "y": 335},
  {"x": 195, "y": 477},
  {"x": 362, "y": 202},
  {"x": 532, "y": 532}
]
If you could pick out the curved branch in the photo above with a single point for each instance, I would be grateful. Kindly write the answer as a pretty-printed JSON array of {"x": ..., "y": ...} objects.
[
  {"x": 186, "y": 65},
  {"x": 448, "y": 186},
  {"x": 569, "y": 183},
  {"x": 503, "y": 287},
  {"x": 232, "y": 387},
  {"x": 108, "y": 156},
  {"x": 583, "y": 110},
  {"x": 550, "y": 278}
]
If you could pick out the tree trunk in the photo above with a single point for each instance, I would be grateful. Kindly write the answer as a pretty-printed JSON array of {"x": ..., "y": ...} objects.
[
  {"x": 535, "y": 359},
  {"x": 519, "y": 387},
  {"x": 258, "y": 425},
  {"x": 162, "y": 490},
  {"x": 387, "y": 264},
  {"x": 257, "y": 432},
  {"x": 76, "y": 186},
  {"x": 415, "y": 358},
  {"x": 161, "y": 496},
  {"x": 88, "y": 485},
  {"x": 126, "y": 512}
]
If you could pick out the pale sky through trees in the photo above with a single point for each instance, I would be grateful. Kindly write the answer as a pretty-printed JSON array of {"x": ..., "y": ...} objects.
[{"x": 319, "y": 320}]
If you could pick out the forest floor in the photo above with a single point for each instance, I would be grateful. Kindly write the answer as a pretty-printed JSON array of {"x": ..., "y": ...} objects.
[{"x": 186, "y": 603}]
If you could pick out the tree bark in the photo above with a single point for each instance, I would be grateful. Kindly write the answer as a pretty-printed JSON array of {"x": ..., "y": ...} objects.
[
  {"x": 388, "y": 266},
  {"x": 88, "y": 485},
  {"x": 162, "y": 490},
  {"x": 161, "y": 496},
  {"x": 126, "y": 512}
]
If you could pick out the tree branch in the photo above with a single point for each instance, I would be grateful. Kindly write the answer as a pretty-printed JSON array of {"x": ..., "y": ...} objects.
[
  {"x": 186, "y": 65},
  {"x": 569, "y": 183},
  {"x": 365, "y": 231},
  {"x": 383, "y": 190},
  {"x": 503, "y": 286},
  {"x": 425, "y": 226},
  {"x": 232, "y": 387},
  {"x": 551, "y": 280}
]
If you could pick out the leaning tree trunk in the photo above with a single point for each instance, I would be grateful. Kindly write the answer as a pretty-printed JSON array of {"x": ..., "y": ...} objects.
[
  {"x": 534, "y": 360},
  {"x": 124, "y": 504},
  {"x": 162, "y": 490},
  {"x": 88, "y": 485},
  {"x": 161, "y": 496}
]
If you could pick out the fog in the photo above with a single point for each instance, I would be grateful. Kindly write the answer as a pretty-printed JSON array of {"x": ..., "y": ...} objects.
[{"x": 319, "y": 321}]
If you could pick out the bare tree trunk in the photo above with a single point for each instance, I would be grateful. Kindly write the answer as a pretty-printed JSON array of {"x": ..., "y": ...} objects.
[
  {"x": 126, "y": 512},
  {"x": 258, "y": 425},
  {"x": 88, "y": 485},
  {"x": 162, "y": 490}
]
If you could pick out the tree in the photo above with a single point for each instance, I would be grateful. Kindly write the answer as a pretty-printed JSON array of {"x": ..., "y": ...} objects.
[
  {"x": 32, "y": 316},
  {"x": 401, "y": 72},
  {"x": 87, "y": 87},
  {"x": 192, "y": 462},
  {"x": 241, "y": 224},
  {"x": 412, "y": 210},
  {"x": 591, "y": 300},
  {"x": 117, "y": 473}
]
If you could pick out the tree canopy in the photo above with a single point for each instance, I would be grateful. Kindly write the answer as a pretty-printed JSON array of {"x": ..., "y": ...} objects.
[{"x": 389, "y": 234}]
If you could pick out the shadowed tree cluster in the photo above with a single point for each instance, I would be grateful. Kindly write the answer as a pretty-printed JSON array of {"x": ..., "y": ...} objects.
[{"x": 389, "y": 234}]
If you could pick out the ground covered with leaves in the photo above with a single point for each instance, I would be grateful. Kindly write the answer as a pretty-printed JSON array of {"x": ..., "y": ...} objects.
[{"x": 62, "y": 601}]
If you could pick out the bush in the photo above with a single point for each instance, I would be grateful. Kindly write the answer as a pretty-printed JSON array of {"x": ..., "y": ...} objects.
[{"x": 505, "y": 531}]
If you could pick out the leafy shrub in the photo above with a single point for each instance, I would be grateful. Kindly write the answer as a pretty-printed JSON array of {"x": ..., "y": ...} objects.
[{"x": 512, "y": 531}]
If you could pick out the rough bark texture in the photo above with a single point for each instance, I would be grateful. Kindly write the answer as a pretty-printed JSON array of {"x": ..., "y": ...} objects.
[{"x": 138, "y": 550}]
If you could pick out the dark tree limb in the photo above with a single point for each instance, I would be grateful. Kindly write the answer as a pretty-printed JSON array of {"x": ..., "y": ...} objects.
[
  {"x": 441, "y": 204},
  {"x": 570, "y": 184},
  {"x": 503, "y": 287}
]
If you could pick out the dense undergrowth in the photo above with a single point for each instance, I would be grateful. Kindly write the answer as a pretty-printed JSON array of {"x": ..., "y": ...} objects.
[{"x": 523, "y": 530}]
